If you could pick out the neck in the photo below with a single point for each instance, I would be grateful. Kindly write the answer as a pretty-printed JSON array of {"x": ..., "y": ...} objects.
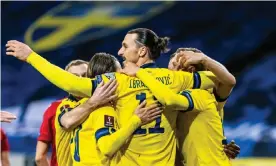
[{"x": 144, "y": 61}]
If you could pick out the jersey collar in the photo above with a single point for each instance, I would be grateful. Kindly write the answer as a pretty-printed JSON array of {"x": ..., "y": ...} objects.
[
  {"x": 149, "y": 65},
  {"x": 73, "y": 98}
]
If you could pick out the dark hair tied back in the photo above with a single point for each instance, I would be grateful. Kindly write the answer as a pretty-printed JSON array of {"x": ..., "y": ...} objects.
[{"x": 162, "y": 44}]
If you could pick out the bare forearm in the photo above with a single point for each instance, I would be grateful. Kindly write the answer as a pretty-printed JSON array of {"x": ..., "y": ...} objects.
[
  {"x": 222, "y": 74},
  {"x": 75, "y": 117}
]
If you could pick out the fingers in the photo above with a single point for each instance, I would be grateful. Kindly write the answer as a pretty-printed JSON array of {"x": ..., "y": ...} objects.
[
  {"x": 7, "y": 114},
  {"x": 101, "y": 84},
  {"x": 13, "y": 42},
  {"x": 5, "y": 120},
  {"x": 142, "y": 105},
  {"x": 153, "y": 118},
  {"x": 234, "y": 145},
  {"x": 229, "y": 153},
  {"x": 105, "y": 86},
  {"x": 112, "y": 98},
  {"x": 10, "y": 53},
  {"x": 111, "y": 87},
  {"x": 152, "y": 106},
  {"x": 157, "y": 111}
]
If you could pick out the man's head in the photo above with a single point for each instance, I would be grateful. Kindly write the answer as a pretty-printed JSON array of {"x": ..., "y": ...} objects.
[
  {"x": 102, "y": 63},
  {"x": 77, "y": 67},
  {"x": 141, "y": 45},
  {"x": 192, "y": 68}
]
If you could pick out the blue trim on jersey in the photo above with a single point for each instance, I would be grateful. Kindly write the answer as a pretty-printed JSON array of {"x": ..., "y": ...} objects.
[
  {"x": 103, "y": 132},
  {"x": 149, "y": 65},
  {"x": 72, "y": 98},
  {"x": 140, "y": 131},
  {"x": 224, "y": 142},
  {"x": 94, "y": 86},
  {"x": 99, "y": 78},
  {"x": 197, "y": 81},
  {"x": 218, "y": 98},
  {"x": 190, "y": 100},
  {"x": 59, "y": 117}
]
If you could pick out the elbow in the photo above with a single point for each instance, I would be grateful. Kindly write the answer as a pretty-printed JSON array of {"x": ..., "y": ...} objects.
[
  {"x": 232, "y": 81},
  {"x": 67, "y": 124},
  {"x": 39, "y": 159},
  {"x": 171, "y": 101}
]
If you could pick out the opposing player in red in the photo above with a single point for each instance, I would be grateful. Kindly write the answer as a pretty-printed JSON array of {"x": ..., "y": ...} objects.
[{"x": 5, "y": 149}]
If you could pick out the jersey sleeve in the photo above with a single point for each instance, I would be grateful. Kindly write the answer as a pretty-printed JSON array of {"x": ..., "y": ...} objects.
[
  {"x": 78, "y": 86},
  {"x": 198, "y": 80},
  {"x": 167, "y": 97},
  {"x": 45, "y": 133},
  {"x": 108, "y": 137},
  {"x": 4, "y": 142}
]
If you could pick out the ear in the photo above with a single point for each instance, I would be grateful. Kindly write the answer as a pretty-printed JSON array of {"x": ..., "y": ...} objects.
[{"x": 142, "y": 51}]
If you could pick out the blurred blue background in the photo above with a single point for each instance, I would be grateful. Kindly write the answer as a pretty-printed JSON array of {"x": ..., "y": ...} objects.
[{"x": 241, "y": 35}]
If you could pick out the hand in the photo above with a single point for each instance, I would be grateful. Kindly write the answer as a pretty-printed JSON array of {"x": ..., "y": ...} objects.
[
  {"x": 104, "y": 93},
  {"x": 149, "y": 113},
  {"x": 192, "y": 58},
  {"x": 7, "y": 116},
  {"x": 232, "y": 150},
  {"x": 130, "y": 69},
  {"x": 19, "y": 50}
]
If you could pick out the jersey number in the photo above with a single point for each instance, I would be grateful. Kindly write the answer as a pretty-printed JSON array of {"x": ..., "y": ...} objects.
[
  {"x": 156, "y": 129},
  {"x": 77, "y": 145}
]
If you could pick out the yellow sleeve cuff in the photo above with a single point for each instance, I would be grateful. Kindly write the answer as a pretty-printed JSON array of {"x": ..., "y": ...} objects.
[
  {"x": 32, "y": 57},
  {"x": 135, "y": 120}
]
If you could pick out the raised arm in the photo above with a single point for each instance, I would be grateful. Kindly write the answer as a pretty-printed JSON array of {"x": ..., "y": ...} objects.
[
  {"x": 75, "y": 85},
  {"x": 226, "y": 81}
]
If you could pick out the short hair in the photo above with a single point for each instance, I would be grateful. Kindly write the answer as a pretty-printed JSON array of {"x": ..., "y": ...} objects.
[
  {"x": 148, "y": 38},
  {"x": 185, "y": 49},
  {"x": 198, "y": 67},
  {"x": 101, "y": 63},
  {"x": 75, "y": 63}
]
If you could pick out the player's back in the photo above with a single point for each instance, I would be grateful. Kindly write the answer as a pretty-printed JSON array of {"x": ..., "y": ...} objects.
[
  {"x": 200, "y": 132},
  {"x": 62, "y": 136},
  {"x": 154, "y": 143}
]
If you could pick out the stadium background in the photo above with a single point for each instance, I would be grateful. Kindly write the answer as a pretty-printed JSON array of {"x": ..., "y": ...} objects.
[{"x": 241, "y": 35}]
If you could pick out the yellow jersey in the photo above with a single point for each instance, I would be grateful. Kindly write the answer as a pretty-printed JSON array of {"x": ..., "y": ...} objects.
[
  {"x": 98, "y": 139},
  {"x": 200, "y": 133},
  {"x": 151, "y": 144},
  {"x": 199, "y": 125},
  {"x": 62, "y": 136}
]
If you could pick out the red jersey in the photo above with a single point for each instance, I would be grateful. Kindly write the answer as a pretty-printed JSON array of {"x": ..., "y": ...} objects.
[
  {"x": 4, "y": 142},
  {"x": 47, "y": 129}
]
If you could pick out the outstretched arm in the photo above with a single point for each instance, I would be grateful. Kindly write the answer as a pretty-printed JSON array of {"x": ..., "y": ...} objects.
[
  {"x": 226, "y": 80},
  {"x": 75, "y": 85}
]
